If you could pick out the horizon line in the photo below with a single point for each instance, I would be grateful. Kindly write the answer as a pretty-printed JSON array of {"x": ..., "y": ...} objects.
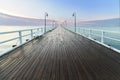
[{"x": 56, "y": 19}]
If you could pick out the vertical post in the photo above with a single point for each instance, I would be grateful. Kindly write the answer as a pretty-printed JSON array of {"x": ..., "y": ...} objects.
[
  {"x": 74, "y": 15},
  {"x": 45, "y": 25},
  {"x": 37, "y": 29},
  {"x": 83, "y": 31},
  {"x": 65, "y": 23},
  {"x": 46, "y": 15},
  {"x": 90, "y": 33},
  {"x": 79, "y": 31},
  {"x": 31, "y": 34},
  {"x": 42, "y": 30},
  {"x": 102, "y": 37},
  {"x": 38, "y": 33},
  {"x": 53, "y": 24},
  {"x": 75, "y": 22},
  {"x": 20, "y": 37}
]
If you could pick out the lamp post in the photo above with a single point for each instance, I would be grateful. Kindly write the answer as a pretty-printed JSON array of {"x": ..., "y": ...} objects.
[
  {"x": 53, "y": 23},
  {"x": 66, "y": 23},
  {"x": 46, "y": 15},
  {"x": 74, "y": 15}
]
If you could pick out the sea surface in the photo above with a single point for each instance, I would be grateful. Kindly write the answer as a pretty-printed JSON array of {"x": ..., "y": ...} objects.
[{"x": 8, "y": 46}]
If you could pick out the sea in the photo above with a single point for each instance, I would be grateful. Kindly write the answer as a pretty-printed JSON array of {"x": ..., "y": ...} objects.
[{"x": 8, "y": 46}]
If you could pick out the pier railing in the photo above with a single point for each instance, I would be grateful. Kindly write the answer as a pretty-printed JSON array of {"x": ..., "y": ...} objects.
[
  {"x": 19, "y": 37},
  {"x": 109, "y": 38}
]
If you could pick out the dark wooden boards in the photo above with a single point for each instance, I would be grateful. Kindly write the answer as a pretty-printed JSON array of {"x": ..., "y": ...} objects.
[{"x": 61, "y": 55}]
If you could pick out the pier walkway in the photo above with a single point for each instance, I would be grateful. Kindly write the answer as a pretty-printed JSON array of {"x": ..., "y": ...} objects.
[{"x": 61, "y": 55}]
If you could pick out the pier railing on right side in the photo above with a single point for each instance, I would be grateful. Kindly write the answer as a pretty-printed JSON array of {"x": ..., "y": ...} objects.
[{"x": 110, "y": 39}]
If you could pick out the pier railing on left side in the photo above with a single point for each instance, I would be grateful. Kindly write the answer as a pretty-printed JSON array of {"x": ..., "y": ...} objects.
[{"x": 20, "y": 37}]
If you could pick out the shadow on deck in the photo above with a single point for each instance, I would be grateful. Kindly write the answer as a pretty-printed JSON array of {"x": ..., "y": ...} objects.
[{"x": 61, "y": 55}]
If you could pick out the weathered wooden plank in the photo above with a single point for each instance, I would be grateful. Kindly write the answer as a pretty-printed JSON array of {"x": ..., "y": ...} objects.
[{"x": 61, "y": 55}]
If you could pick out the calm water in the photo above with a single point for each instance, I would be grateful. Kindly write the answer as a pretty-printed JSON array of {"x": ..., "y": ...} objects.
[{"x": 8, "y": 45}]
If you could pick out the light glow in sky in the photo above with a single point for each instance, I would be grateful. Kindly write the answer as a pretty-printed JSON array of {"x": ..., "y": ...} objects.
[{"x": 62, "y": 9}]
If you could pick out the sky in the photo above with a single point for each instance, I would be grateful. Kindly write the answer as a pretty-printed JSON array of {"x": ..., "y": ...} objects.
[{"x": 86, "y": 10}]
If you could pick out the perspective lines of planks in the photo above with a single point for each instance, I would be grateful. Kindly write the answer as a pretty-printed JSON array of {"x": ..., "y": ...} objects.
[{"x": 61, "y": 55}]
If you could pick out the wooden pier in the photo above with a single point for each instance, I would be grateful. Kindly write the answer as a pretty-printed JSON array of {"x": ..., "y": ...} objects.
[{"x": 61, "y": 55}]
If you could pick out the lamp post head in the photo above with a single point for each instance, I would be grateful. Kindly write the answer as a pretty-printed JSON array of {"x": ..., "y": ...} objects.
[
  {"x": 46, "y": 14},
  {"x": 74, "y": 14}
]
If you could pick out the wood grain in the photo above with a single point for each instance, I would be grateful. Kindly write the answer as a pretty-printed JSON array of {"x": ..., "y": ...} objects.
[{"x": 61, "y": 55}]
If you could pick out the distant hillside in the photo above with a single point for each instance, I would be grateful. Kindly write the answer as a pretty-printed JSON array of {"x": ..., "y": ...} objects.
[
  {"x": 14, "y": 20},
  {"x": 108, "y": 22}
]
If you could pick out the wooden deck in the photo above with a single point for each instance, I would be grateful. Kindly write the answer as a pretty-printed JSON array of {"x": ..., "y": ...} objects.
[{"x": 61, "y": 55}]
